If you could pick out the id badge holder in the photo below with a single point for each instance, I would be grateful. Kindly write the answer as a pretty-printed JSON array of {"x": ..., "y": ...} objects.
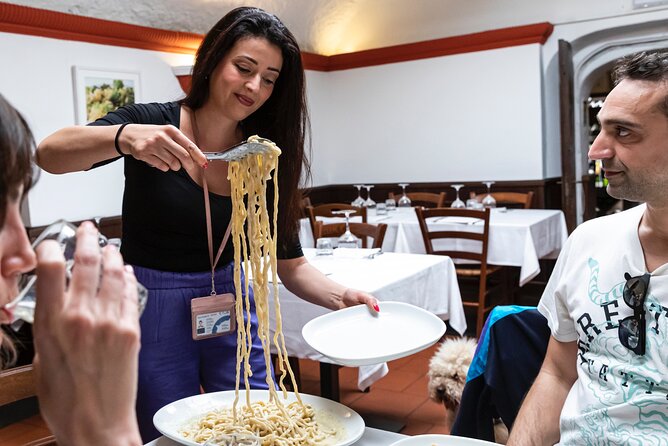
[{"x": 213, "y": 316}]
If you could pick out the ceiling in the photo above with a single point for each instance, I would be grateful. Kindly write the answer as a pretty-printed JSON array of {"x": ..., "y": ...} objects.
[{"x": 330, "y": 27}]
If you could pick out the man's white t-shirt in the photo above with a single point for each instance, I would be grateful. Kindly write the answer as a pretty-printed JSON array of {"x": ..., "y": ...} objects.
[{"x": 619, "y": 397}]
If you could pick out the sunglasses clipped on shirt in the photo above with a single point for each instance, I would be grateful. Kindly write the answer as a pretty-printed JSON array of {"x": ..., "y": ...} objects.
[{"x": 632, "y": 328}]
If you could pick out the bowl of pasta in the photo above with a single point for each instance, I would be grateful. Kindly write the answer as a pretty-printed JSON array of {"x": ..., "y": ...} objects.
[{"x": 314, "y": 420}]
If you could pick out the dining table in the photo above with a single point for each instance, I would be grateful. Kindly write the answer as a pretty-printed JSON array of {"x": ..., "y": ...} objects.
[
  {"x": 517, "y": 237},
  {"x": 426, "y": 281}
]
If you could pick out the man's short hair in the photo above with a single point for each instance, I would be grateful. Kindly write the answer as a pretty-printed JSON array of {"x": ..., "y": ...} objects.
[{"x": 645, "y": 66}]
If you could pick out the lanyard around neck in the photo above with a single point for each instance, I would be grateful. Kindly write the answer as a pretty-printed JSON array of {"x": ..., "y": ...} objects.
[{"x": 207, "y": 209}]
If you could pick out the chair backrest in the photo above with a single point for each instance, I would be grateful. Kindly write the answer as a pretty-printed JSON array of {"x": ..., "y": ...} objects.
[
  {"x": 361, "y": 230},
  {"x": 305, "y": 203},
  {"x": 458, "y": 230},
  {"x": 425, "y": 199},
  {"x": 326, "y": 210},
  {"x": 524, "y": 200},
  {"x": 16, "y": 384}
]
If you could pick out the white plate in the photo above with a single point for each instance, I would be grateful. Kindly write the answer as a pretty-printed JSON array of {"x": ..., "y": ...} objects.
[
  {"x": 440, "y": 440},
  {"x": 170, "y": 419},
  {"x": 355, "y": 336}
]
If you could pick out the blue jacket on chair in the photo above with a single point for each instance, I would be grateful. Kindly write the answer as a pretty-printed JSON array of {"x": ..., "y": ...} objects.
[{"x": 510, "y": 353}]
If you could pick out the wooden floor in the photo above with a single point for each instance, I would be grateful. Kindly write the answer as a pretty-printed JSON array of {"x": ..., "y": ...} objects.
[{"x": 406, "y": 382}]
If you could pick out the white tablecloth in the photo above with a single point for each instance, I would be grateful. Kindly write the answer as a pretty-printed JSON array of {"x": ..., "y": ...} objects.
[
  {"x": 517, "y": 237},
  {"x": 426, "y": 281},
  {"x": 371, "y": 437}
]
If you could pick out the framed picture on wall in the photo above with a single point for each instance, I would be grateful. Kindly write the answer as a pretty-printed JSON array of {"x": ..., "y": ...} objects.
[{"x": 98, "y": 92}]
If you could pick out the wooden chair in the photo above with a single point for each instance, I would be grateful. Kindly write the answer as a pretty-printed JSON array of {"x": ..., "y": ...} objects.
[
  {"x": 511, "y": 199},
  {"x": 425, "y": 199},
  {"x": 16, "y": 384},
  {"x": 305, "y": 203},
  {"x": 361, "y": 230},
  {"x": 480, "y": 271},
  {"x": 326, "y": 210}
]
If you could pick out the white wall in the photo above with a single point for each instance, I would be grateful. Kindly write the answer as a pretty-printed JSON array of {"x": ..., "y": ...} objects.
[
  {"x": 36, "y": 77},
  {"x": 465, "y": 117}
]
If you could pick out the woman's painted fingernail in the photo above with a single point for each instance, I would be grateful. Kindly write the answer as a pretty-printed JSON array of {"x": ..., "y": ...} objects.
[
  {"x": 375, "y": 307},
  {"x": 205, "y": 165}
]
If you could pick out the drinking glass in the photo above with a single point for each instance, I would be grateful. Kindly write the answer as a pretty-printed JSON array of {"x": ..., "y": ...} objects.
[
  {"x": 369, "y": 203},
  {"x": 458, "y": 203},
  {"x": 347, "y": 239},
  {"x": 381, "y": 209},
  {"x": 472, "y": 202},
  {"x": 489, "y": 201},
  {"x": 390, "y": 204},
  {"x": 23, "y": 306},
  {"x": 404, "y": 201},
  {"x": 359, "y": 201},
  {"x": 323, "y": 247}
]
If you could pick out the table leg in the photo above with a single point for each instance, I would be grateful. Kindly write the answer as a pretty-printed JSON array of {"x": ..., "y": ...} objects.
[{"x": 329, "y": 381}]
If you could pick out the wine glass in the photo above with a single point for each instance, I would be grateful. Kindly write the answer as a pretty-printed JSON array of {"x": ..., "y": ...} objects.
[
  {"x": 369, "y": 203},
  {"x": 347, "y": 239},
  {"x": 488, "y": 201},
  {"x": 63, "y": 232},
  {"x": 404, "y": 201},
  {"x": 458, "y": 203},
  {"x": 359, "y": 201}
]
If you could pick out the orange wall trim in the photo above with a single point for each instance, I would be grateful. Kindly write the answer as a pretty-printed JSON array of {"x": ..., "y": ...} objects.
[
  {"x": 41, "y": 22},
  {"x": 44, "y": 23},
  {"x": 487, "y": 40}
]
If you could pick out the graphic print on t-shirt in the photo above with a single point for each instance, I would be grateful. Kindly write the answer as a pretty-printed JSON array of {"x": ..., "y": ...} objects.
[{"x": 626, "y": 394}]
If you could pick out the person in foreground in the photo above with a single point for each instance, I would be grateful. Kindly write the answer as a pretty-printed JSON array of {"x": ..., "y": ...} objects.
[
  {"x": 247, "y": 79},
  {"x": 86, "y": 336},
  {"x": 605, "y": 375}
]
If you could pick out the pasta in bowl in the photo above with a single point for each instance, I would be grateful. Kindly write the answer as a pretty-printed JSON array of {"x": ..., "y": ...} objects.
[
  {"x": 278, "y": 417},
  {"x": 191, "y": 421}
]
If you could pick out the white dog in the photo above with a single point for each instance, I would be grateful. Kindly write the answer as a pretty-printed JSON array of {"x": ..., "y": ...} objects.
[{"x": 447, "y": 373}]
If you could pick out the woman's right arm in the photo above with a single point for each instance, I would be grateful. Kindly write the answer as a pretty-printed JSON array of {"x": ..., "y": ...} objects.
[{"x": 77, "y": 148}]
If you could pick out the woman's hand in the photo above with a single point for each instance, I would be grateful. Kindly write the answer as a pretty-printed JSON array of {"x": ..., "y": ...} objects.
[
  {"x": 353, "y": 297},
  {"x": 307, "y": 282},
  {"x": 162, "y": 146},
  {"x": 87, "y": 344}
]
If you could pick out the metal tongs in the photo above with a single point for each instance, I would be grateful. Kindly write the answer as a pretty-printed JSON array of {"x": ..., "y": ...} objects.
[{"x": 241, "y": 150}]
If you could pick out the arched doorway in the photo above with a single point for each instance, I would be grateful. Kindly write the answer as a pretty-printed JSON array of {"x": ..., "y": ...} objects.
[{"x": 594, "y": 54}]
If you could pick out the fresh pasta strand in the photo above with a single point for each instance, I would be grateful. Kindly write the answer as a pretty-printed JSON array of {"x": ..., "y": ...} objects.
[{"x": 273, "y": 421}]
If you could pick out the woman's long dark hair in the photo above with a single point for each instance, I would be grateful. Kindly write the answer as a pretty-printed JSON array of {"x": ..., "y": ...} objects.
[
  {"x": 283, "y": 118},
  {"x": 16, "y": 170}
]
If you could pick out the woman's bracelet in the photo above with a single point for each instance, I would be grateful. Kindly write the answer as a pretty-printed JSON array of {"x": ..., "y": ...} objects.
[{"x": 118, "y": 134}]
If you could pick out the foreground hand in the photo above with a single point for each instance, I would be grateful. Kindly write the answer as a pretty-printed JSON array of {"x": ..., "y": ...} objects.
[
  {"x": 162, "y": 146},
  {"x": 353, "y": 297},
  {"x": 86, "y": 344}
]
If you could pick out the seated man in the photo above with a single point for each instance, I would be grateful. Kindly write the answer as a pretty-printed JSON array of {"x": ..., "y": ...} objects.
[{"x": 605, "y": 375}]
